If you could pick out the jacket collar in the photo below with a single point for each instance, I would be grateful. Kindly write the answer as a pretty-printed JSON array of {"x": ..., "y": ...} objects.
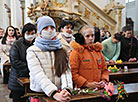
[
  {"x": 64, "y": 42},
  {"x": 96, "y": 46}
]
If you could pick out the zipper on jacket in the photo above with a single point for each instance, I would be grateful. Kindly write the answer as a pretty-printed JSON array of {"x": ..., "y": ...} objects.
[{"x": 52, "y": 68}]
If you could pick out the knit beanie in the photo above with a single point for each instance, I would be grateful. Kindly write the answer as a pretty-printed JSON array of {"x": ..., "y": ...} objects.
[{"x": 43, "y": 22}]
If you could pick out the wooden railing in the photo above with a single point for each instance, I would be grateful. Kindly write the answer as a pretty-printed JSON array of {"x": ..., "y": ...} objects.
[
  {"x": 131, "y": 85},
  {"x": 131, "y": 88}
]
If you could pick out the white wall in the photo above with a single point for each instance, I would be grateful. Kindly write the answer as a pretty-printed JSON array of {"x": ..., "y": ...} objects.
[
  {"x": 102, "y": 3},
  {"x": 131, "y": 10},
  {"x": 14, "y": 5},
  {"x": 27, "y": 4},
  {"x": 136, "y": 18},
  {"x": 4, "y": 21},
  {"x": 16, "y": 14}
]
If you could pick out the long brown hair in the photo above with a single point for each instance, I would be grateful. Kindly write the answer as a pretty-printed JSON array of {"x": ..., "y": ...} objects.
[
  {"x": 61, "y": 62},
  {"x": 6, "y": 34}
]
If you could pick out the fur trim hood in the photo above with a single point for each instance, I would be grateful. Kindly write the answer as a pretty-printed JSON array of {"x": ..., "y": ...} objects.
[{"x": 76, "y": 46}]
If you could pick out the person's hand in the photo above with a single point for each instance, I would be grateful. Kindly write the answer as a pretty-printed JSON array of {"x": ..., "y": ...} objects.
[
  {"x": 132, "y": 60},
  {"x": 63, "y": 96},
  {"x": 92, "y": 85},
  {"x": 66, "y": 93},
  {"x": 68, "y": 53},
  {"x": 107, "y": 62},
  {"x": 101, "y": 84},
  {"x": 111, "y": 61},
  {"x": 57, "y": 33}
]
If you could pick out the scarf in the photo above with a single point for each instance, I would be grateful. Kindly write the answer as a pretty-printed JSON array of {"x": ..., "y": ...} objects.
[
  {"x": 10, "y": 40},
  {"x": 47, "y": 45},
  {"x": 68, "y": 39}
]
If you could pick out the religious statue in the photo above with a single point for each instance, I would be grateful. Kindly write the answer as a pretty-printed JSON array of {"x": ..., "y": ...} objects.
[
  {"x": 8, "y": 9},
  {"x": 31, "y": 11},
  {"x": 44, "y": 4}
]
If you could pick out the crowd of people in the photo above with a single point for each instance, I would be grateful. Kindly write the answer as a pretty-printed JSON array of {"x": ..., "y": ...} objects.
[{"x": 62, "y": 61}]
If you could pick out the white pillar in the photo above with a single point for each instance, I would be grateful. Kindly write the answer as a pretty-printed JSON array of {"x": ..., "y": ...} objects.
[
  {"x": 16, "y": 13},
  {"x": 123, "y": 2},
  {"x": 27, "y": 4},
  {"x": 117, "y": 20},
  {"x": 4, "y": 21},
  {"x": 136, "y": 18},
  {"x": 1, "y": 13}
]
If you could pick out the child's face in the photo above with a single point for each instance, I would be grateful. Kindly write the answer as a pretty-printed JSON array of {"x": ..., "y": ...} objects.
[
  {"x": 67, "y": 29},
  {"x": 10, "y": 31}
]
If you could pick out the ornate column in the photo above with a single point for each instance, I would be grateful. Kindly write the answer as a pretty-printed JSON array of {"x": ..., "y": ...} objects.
[
  {"x": 123, "y": 2},
  {"x": 22, "y": 2},
  {"x": 114, "y": 10},
  {"x": 15, "y": 13},
  {"x": 118, "y": 17},
  {"x": 9, "y": 13}
]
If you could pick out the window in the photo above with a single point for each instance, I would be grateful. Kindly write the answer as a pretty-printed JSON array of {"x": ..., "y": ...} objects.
[{"x": 127, "y": 1}]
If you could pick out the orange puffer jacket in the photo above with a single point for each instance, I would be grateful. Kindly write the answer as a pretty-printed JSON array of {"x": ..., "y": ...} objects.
[{"x": 87, "y": 64}]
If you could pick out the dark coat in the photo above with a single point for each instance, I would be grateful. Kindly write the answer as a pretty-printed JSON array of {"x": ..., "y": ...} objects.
[
  {"x": 19, "y": 66},
  {"x": 129, "y": 48}
]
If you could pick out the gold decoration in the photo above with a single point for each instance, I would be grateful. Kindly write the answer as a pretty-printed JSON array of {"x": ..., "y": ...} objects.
[
  {"x": 47, "y": 8},
  {"x": 115, "y": 12},
  {"x": 112, "y": 28},
  {"x": 79, "y": 1},
  {"x": 8, "y": 9},
  {"x": 60, "y": 4},
  {"x": 9, "y": 13},
  {"x": 94, "y": 14},
  {"x": 106, "y": 26},
  {"x": 120, "y": 13},
  {"x": 38, "y": 10},
  {"x": 87, "y": 13},
  {"x": 31, "y": 11},
  {"x": 22, "y": 2},
  {"x": 94, "y": 24},
  {"x": 44, "y": 4},
  {"x": 98, "y": 17},
  {"x": 120, "y": 17}
]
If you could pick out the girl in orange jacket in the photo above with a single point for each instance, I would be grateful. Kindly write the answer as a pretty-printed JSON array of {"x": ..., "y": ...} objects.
[{"x": 87, "y": 61}]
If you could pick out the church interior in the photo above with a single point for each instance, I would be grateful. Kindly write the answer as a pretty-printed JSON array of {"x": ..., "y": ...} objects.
[{"x": 109, "y": 15}]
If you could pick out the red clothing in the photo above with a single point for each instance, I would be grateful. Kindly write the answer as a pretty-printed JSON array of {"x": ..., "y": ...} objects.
[{"x": 87, "y": 64}]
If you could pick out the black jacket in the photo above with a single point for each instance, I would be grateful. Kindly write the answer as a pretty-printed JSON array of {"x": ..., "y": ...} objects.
[
  {"x": 129, "y": 48},
  {"x": 18, "y": 61}
]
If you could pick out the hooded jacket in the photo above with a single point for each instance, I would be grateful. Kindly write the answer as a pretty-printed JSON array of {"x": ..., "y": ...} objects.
[{"x": 87, "y": 64}]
